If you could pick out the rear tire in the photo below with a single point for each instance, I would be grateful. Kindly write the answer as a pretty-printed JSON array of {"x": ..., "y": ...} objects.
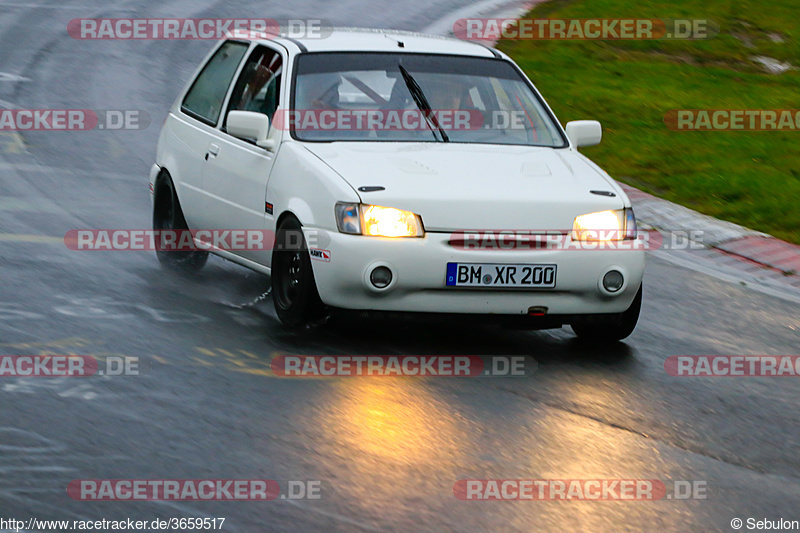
[
  {"x": 613, "y": 328},
  {"x": 167, "y": 215},
  {"x": 294, "y": 289}
]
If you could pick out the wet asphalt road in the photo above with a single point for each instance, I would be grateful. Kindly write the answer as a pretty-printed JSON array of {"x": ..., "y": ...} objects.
[{"x": 387, "y": 451}]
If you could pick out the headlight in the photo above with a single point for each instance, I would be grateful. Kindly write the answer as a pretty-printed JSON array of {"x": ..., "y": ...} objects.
[
  {"x": 605, "y": 226},
  {"x": 377, "y": 221}
]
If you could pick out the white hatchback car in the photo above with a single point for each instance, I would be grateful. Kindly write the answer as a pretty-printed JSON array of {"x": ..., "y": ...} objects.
[{"x": 473, "y": 201}]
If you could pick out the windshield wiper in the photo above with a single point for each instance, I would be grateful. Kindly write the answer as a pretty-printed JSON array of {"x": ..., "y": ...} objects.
[{"x": 422, "y": 103}]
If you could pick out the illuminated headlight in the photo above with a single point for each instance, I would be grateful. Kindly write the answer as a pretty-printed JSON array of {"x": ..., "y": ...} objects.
[
  {"x": 377, "y": 221},
  {"x": 605, "y": 226}
]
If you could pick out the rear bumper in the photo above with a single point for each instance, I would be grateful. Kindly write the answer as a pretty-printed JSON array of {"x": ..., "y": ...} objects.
[{"x": 419, "y": 269}]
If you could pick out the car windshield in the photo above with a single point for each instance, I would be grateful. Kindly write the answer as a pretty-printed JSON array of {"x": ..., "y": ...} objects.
[{"x": 406, "y": 97}]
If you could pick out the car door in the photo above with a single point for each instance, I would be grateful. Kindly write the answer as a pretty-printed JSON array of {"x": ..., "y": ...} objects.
[
  {"x": 236, "y": 173},
  {"x": 188, "y": 130}
]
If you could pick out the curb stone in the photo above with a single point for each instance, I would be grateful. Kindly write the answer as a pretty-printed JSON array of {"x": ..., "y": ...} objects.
[{"x": 730, "y": 238}]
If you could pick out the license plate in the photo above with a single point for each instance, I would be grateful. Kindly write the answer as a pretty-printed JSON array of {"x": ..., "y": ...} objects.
[{"x": 492, "y": 275}]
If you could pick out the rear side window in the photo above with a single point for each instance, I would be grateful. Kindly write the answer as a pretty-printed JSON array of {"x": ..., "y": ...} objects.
[{"x": 204, "y": 100}]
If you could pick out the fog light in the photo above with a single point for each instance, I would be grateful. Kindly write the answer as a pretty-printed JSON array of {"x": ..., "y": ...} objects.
[
  {"x": 381, "y": 277},
  {"x": 613, "y": 281}
]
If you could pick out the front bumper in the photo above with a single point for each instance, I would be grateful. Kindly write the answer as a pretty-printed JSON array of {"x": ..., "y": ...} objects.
[{"x": 342, "y": 264}]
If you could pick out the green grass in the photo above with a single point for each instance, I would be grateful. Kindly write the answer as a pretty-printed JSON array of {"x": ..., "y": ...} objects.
[{"x": 751, "y": 178}]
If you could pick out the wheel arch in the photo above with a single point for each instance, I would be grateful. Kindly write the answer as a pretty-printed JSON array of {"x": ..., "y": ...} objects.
[
  {"x": 159, "y": 187},
  {"x": 283, "y": 216},
  {"x": 300, "y": 209}
]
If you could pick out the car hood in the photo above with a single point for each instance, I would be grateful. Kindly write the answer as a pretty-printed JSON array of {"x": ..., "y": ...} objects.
[{"x": 475, "y": 187}]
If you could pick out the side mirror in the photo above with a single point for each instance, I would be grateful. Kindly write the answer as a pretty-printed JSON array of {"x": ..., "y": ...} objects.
[
  {"x": 250, "y": 126},
  {"x": 584, "y": 132}
]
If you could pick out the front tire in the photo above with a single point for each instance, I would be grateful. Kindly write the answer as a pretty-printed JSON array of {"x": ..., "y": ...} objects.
[
  {"x": 613, "y": 328},
  {"x": 168, "y": 216},
  {"x": 294, "y": 289}
]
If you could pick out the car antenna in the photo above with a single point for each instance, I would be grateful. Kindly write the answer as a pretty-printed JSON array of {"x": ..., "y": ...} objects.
[{"x": 400, "y": 44}]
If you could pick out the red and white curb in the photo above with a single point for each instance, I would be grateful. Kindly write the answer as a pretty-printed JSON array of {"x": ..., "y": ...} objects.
[{"x": 733, "y": 245}]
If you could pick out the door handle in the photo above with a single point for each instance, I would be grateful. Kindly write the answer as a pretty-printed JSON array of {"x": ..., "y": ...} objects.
[{"x": 213, "y": 151}]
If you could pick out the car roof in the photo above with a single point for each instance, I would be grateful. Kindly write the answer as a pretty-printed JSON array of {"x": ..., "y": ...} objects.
[{"x": 378, "y": 40}]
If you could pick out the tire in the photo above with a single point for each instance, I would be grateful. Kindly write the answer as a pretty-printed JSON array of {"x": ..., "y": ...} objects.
[
  {"x": 613, "y": 328},
  {"x": 167, "y": 215},
  {"x": 294, "y": 290}
]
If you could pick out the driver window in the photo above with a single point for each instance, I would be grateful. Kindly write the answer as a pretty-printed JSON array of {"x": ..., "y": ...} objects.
[{"x": 258, "y": 86}]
